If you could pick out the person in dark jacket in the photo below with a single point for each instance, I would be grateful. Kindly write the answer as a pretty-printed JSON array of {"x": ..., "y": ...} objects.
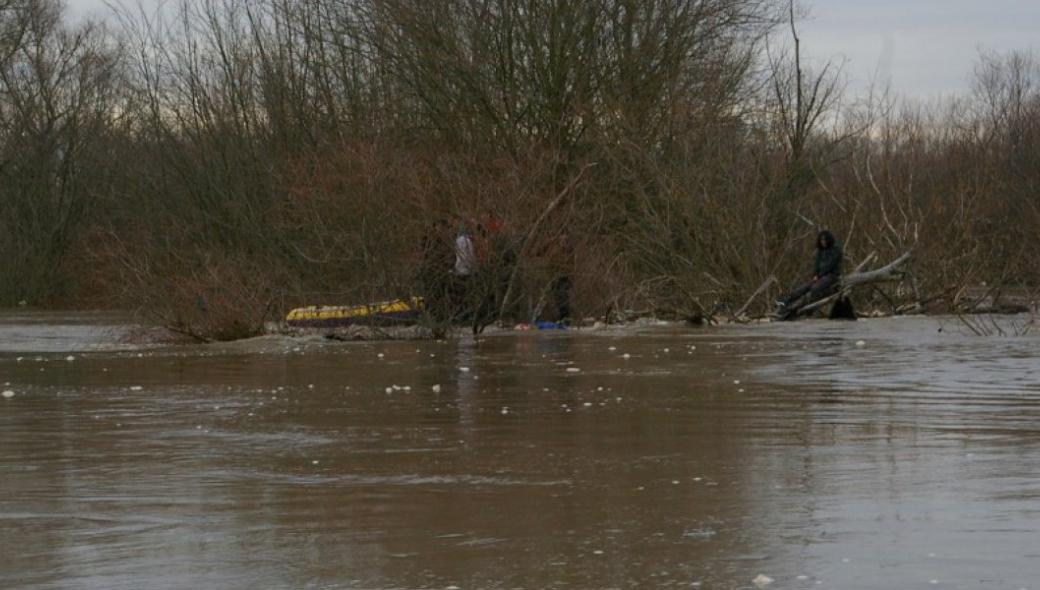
[
  {"x": 826, "y": 272},
  {"x": 435, "y": 280},
  {"x": 562, "y": 284}
]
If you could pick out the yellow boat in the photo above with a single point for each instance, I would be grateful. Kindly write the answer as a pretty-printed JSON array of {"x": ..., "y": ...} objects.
[{"x": 397, "y": 311}]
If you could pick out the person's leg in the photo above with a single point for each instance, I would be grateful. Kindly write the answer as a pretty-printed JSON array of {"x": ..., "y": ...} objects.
[
  {"x": 822, "y": 287},
  {"x": 484, "y": 300},
  {"x": 462, "y": 308},
  {"x": 431, "y": 297},
  {"x": 501, "y": 287},
  {"x": 562, "y": 294},
  {"x": 797, "y": 294}
]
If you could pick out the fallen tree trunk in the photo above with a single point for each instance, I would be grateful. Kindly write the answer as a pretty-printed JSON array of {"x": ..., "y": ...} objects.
[{"x": 890, "y": 272}]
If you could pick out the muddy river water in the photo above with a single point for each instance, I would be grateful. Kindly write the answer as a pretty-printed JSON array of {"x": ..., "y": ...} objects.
[{"x": 900, "y": 453}]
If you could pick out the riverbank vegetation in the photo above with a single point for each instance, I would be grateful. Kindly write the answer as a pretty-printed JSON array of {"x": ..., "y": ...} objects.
[{"x": 217, "y": 162}]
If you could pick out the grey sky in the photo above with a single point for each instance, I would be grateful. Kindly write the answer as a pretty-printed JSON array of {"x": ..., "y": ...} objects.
[{"x": 927, "y": 47}]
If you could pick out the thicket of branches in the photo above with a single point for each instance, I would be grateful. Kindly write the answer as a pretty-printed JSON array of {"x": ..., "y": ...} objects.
[{"x": 219, "y": 161}]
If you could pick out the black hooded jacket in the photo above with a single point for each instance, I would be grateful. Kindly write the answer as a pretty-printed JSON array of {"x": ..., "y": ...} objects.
[{"x": 828, "y": 255}]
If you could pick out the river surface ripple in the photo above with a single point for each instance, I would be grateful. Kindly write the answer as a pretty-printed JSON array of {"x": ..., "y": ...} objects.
[{"x": 896, "y": 453}]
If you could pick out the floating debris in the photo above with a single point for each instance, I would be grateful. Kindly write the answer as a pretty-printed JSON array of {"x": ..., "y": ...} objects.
[
  {"x": 7, "y": 394},
  {"x": 464, "y": 369},
  {"x": 136, "y": 388},
  {"x": 762, "y": 580},
  {"x": 436, "y": 388},
  {"x": 573, "y": 370},
  {"x": 626, "y": 356},
  {"x": 70, "y": 358},
  {"x": 699, "y": 534},
  {"x": 861, "y": 343}
]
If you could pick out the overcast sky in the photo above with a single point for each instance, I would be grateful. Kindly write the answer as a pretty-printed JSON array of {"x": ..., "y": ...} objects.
[{"x": 927, "y": 48}]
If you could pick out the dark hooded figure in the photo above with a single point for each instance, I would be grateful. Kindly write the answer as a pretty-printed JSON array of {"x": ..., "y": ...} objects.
[
  {"x": 826, "y": 271},
  {"x": 434, "y": 277}
]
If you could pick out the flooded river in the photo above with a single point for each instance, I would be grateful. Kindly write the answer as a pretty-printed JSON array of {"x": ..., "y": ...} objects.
[{"x": 897, "y": 453}]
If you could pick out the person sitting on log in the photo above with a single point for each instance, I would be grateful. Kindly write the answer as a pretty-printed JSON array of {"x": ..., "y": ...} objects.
[{"x": 826, "y": 274}]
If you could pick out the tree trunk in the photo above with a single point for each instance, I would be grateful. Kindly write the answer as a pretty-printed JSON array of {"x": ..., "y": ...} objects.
[{"x": 890, "y": 272}]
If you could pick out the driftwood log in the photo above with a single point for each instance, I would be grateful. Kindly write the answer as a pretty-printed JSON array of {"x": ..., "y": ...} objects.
[{"x": 892, "y": 271}]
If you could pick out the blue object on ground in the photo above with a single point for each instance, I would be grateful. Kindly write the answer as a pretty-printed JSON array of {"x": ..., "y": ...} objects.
[{"x": 550, "y": 326}]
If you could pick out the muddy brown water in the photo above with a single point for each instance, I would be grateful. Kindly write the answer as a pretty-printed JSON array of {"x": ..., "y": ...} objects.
[{"x": 704, "y": 459}]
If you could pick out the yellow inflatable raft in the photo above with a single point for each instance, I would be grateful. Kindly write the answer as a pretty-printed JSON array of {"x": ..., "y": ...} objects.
[{"x": 397, "y": 311}]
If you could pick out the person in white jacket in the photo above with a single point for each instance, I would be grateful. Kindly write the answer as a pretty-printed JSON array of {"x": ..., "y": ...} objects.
[
  {"x": 465, "y": 257},
  {"x": 464, "y": 270}
]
